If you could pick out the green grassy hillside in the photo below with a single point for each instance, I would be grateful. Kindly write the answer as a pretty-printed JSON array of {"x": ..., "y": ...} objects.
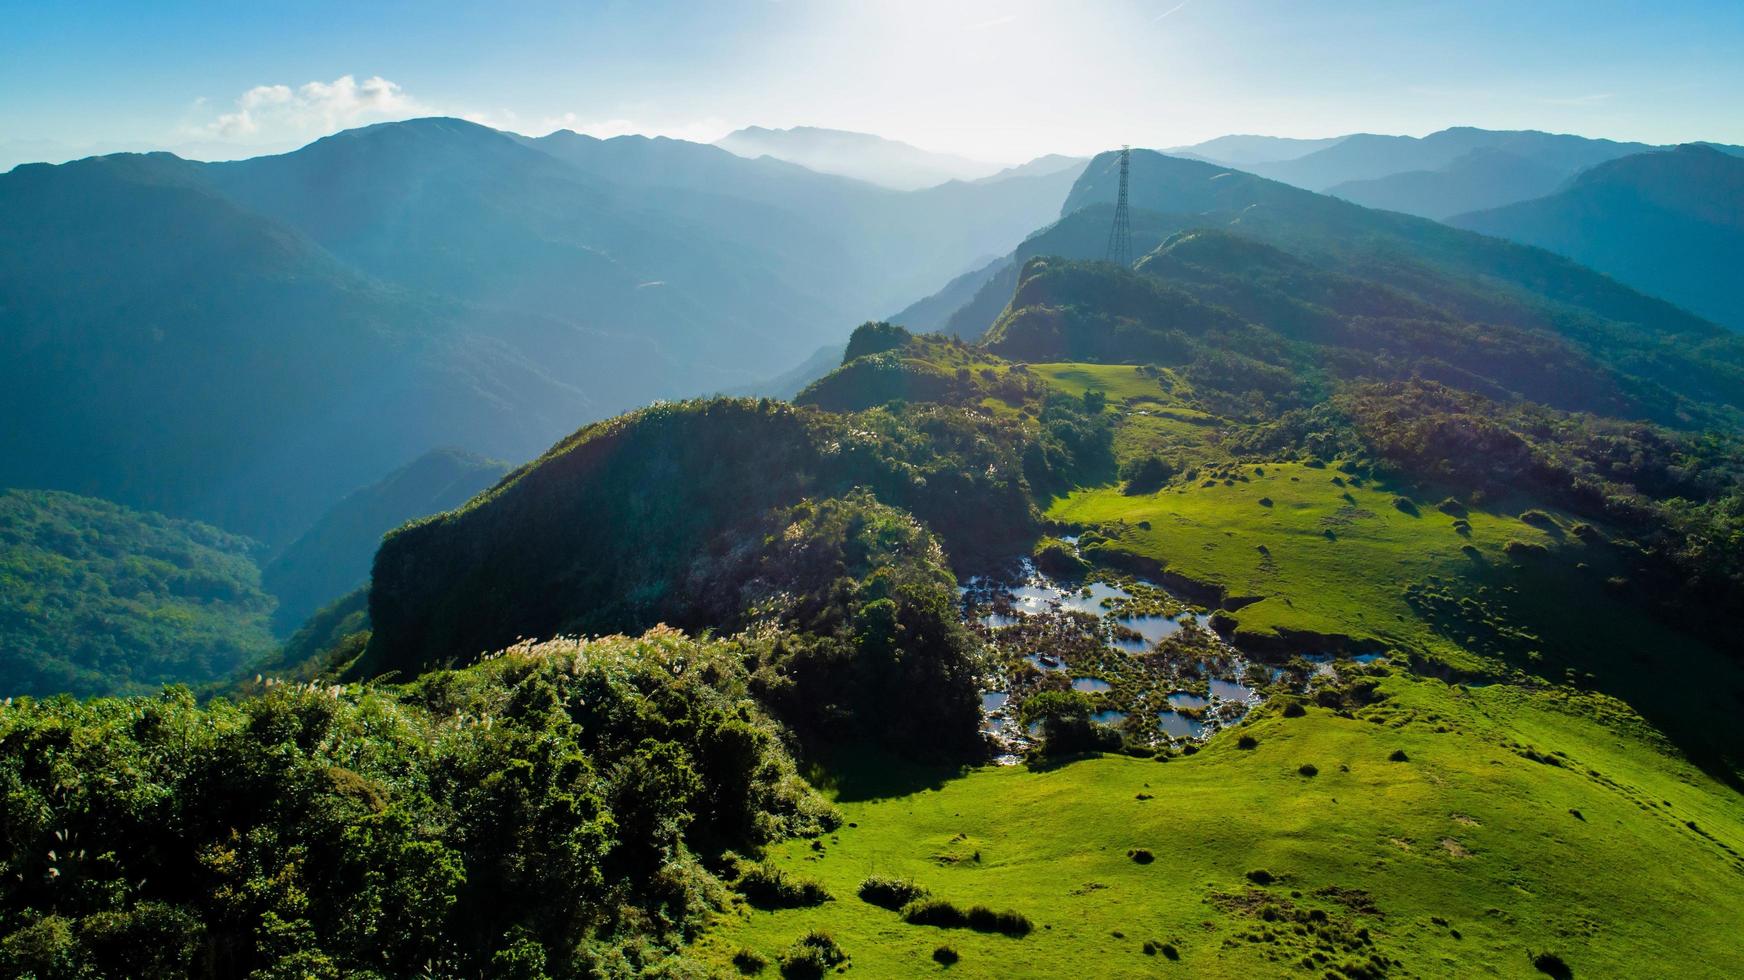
[{"x": 1467, "y": 858}]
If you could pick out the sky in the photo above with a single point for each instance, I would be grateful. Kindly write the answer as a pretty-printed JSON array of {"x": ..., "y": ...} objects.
[{"x": 997, "y": 80}]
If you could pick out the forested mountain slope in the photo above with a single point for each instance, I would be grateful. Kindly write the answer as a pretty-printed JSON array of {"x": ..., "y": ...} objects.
[
  {"x": 1669, "y": 223},
  {"x": 99, "y": 599}
]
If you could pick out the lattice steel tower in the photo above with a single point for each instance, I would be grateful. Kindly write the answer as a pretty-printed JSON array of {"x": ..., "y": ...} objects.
[{"x": 1120, "y": 235}]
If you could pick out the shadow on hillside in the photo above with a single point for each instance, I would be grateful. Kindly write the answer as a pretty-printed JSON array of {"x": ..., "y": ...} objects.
[
  {"x": 858, "y": 773},
  {"x": 1570, "y": 625}
]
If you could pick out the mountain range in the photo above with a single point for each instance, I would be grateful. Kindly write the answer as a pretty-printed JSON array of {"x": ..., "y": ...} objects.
[
  {"x": 249, "y": 343},
  {"x": 1670, "y": 223},
  {"x": 863, "y": 156},
  {"x": 1445, "y": 173},
  {"x": 246, "y": 342}
]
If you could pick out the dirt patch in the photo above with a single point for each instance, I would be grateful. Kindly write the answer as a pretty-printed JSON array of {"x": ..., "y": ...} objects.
[{"x": 1455, "y": 848}]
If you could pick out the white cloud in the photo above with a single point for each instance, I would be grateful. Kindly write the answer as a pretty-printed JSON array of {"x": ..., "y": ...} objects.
[
  {"x": 314, "y": 108},
  {"x": 275, "y": 116}
]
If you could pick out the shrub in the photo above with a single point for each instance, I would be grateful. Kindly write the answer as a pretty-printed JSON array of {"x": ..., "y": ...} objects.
[
  {"x": 984, "y": 919},
  {"x": 1147, "y": 475},
  {"x": 1515, "y": 548},
  {"x": 1398, "y": 756},
  {"x": 945, "y": 956},
  {"x": 1405, "y": 506},
  {"x": 1066, "y": 725},
  {"x": 811, "y": 956},
  {"x": 1294, "y": 710},
  {"x": 890, "y": 893},
  {"x": 874, "y": 338},
  {"x": 1141, "y": 855},
  {"x": 934, "y": 912},
  {"x": 1537, "y": 518},
  {"x": 1247, "y": 742},
  {"x": 1308, "y": 769},
  {"x": 768, "y": 887},
  {"x": 749, "y": 962},
  {"x": 940, "y": 913},
  {"x": 1265, "y": 501},
  {"x": 1058, "y": 559},
  {"x": 1261, "y": 876},
  {"x": 1452, "y": 508}
]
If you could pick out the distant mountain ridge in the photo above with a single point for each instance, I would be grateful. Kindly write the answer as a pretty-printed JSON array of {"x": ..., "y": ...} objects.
[
  {"x": 1448, "y": 172},
  {"x": 1249, "y": 149},
  {"x": 1669, "y": 222},
  {"x": 1367, "y": 156},
  {"x": 1476, "y": 180},
  {"x": 863, "y": 156}
]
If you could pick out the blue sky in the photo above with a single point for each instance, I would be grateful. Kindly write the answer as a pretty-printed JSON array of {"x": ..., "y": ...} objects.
[{"x": 1001, "y": 80}]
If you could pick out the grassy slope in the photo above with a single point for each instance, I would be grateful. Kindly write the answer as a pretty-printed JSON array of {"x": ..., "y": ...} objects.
[
  {"x": 1468, "y": 830},
  {"x": 1348, "y": 584}
]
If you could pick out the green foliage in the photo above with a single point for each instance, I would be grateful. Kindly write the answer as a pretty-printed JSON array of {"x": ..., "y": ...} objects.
[
  {"x": 942, "y": 914},
  {"x": 96, "y": 598},
  {"x": 768, "y": 887},
  {"x": 874, "y": 337},
  {"x": 1146, "y": 474},
  {"x": 1066, "y": 725},
  {"x": 648, "y": 519},
  {"x": 521, "y": 817},
  {"x": 872, "y": 623},
  {"x": 811, "y": 956},
  {"x": 890, "y": 893}
]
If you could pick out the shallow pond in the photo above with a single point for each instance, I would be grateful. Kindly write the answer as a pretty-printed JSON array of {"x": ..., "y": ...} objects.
[
  {"x": 993, "y": 700},
  {"x": 1091, "y": 685},
  {"x": 1108, "y": 717},
  {"x": 1180, "y": 726},
  {"x": 1038, "y": 594},
  {"x": 1181, "y": 699},
  {"x": 1231, "y": 691}
]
